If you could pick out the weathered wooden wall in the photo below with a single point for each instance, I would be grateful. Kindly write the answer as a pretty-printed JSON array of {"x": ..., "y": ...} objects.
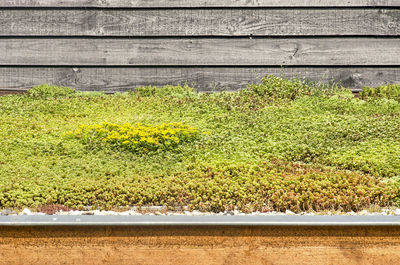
[{"x": 116, "y": 45}]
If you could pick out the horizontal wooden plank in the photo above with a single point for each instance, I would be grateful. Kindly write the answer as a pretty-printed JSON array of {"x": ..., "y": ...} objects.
[
  {"x": 195, "y": 3},
  {"x": 200, "y": 22},
  {"x": 197, "y": 244},
  {"x": 204, "y": 79},
  {"x": 200, "y": 51},
  {"x": 5, "y": 92}
]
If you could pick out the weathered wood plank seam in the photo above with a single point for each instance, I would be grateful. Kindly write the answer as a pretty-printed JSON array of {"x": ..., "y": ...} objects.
[
  {"x": 240, "y": 52},
  {"x": 204, "y": 78},
  {"x": 229, "y": 23},
  {"x": 196, "y": 3}
]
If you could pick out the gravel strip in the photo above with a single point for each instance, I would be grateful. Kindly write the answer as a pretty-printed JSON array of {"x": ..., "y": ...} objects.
[{"x": 160, "y": 210}]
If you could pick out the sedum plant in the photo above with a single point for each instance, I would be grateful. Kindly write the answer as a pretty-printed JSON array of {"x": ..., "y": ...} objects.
[
  {"x": 137, "y": 137},
  {"x": 280, "y": 88},
  {"x": 46, "y": 91},
  {"x": 149, "y": 91},
  {"x": 391, "y": 91}
]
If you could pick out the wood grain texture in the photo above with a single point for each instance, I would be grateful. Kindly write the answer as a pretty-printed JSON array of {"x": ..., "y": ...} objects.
[
  {"x": 4, "y": 92},
  {"x": 200, "y": 245},
  {"x": 195, "y": 3},
  {"x": 204, "y": 79},
  {"x": 201, "y": 51},
  {"x": 203, "y": 22}
]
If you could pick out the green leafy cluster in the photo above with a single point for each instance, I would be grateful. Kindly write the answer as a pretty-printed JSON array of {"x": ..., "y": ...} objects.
[
  {"x": 50, "y": 91},
  {"x": 280, "y": 88},
  {"x": 282, "y": 186},
  {"x": 149, "y": 91},
  {"x": 391, "y": 91},
  {"x": 394, "y": 183},
  {"x": 263, "y": 187},
  {"x": 137, "y": 137}
]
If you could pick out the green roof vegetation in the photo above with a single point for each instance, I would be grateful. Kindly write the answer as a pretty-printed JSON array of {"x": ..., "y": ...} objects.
[{"x": 277, "y": 145}]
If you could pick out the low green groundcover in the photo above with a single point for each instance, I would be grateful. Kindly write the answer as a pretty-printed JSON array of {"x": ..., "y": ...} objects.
[{"x": 277, "y": 145}]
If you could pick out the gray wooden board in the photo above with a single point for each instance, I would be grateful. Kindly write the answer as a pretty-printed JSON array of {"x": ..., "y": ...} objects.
[
  {"x": 200, "y": 51},
  {"x": 194, "y": 3},
  {"x": 203, "y": 22},
  {"x": 205, "y": 79}
]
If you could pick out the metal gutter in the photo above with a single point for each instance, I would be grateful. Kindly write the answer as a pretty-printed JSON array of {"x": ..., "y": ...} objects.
[{"x": 182, "y": 220}]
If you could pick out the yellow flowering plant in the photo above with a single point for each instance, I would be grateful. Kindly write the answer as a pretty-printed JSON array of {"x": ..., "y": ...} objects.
[{"x": 137, "y": 137}]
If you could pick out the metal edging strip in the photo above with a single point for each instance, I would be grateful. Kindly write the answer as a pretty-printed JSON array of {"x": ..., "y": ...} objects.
[{"x": 182, "y": 220}]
